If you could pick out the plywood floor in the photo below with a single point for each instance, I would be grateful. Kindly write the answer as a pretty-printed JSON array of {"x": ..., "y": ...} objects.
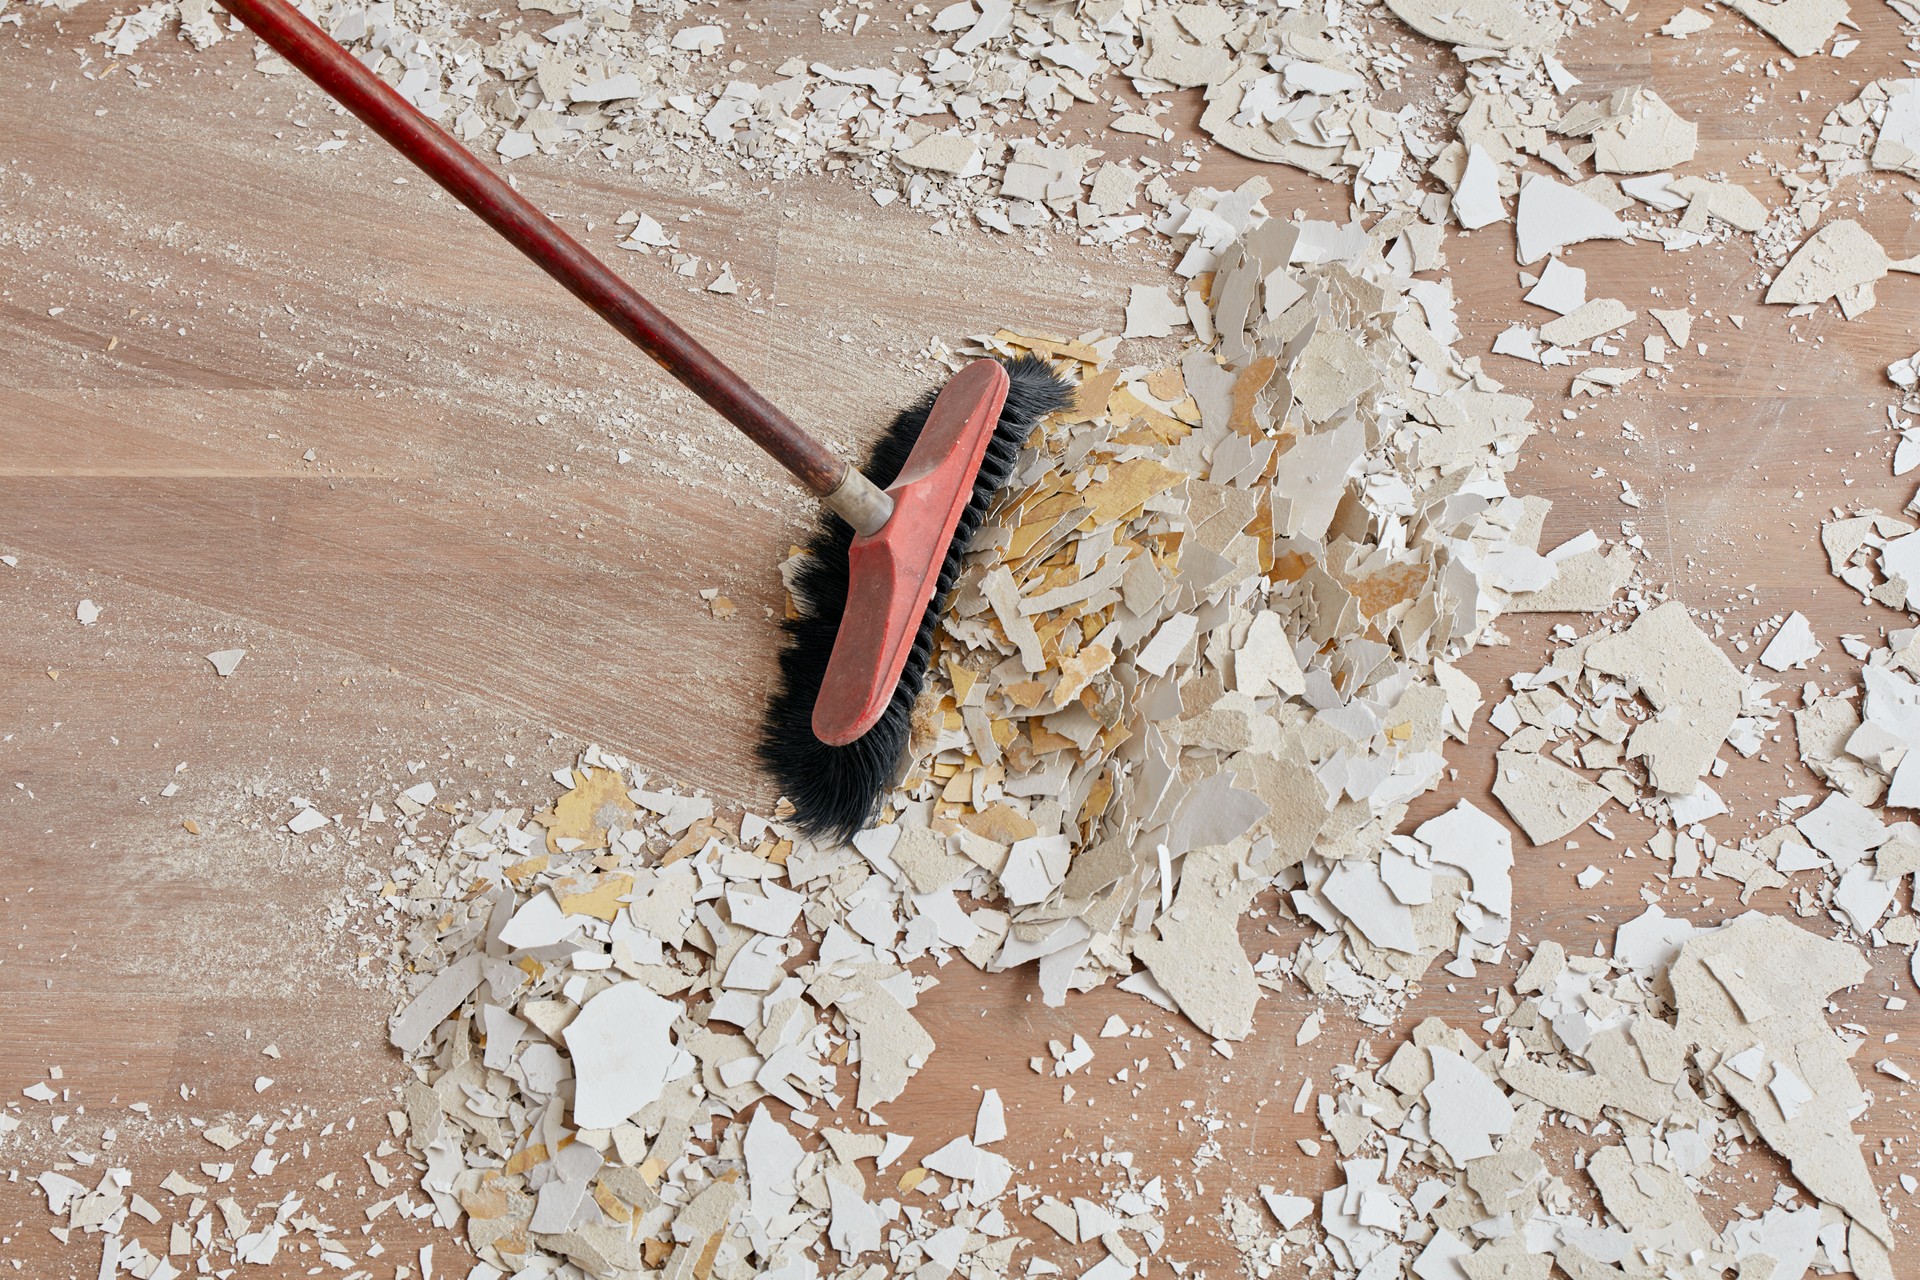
[{"x": 253, "y": 398}]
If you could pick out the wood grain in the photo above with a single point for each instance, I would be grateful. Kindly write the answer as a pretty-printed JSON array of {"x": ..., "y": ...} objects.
[{"x": 466, "y": 579}]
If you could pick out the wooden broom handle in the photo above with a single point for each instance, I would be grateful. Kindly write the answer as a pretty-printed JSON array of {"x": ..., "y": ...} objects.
[{"x": 485, "y": 192}]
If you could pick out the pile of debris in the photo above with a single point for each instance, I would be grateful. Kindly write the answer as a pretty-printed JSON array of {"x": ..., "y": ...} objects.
[
  {"x": 1207, "y": 646},
  {"x": 1643, "y": 1072}
]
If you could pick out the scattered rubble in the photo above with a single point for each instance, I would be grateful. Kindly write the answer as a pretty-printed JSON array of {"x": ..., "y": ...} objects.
[{"x": 1200, "y": 663}]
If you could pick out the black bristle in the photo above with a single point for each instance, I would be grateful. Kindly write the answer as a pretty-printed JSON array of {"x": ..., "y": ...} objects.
[{"x": 835, "y": 790}]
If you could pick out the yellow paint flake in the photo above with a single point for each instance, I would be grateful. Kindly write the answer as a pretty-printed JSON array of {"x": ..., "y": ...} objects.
[
  {"x": 963, "y": 680},
  {"x": 1167, "y": 384},
  {"x": 1246, "y": 391},
  {"x": 1378, "y": 592},
  {"x": 1127, "y": 486},
  {"x": 1289, "y": 566},
  {"x": 193, "y": 828},
  {"x": 1090, "y": 397},
  {"x": 603, "y": 901},
  {"x": 1040, "y": 520},
  {"x": 691, "y": 843},
  {"x": 487, "y": 1201},
  {"x": 1060, "y": 573},
  {"x": 1078, "y": 671},
  {"x": 521, "y": 871},
  {"x": 1136, "y": 420},
  {"x": 581, "y": 814},
  {"x": 611, "y": 1204},
  {"x": 1044, "y": 739},
  {"x": 524, "y": 1160},
  {"x": 1050, "y": 629},
  {"x": 1098, "y": 797},
  {"x": 912, "y": 1178},
  {"x": 1026, "y": 695},
  {"x": 703, "y": 1266},
  {"x": 999, "y": 823},
  {"x": 1043, "y": 345},
  {"x": 1048, "y": 485}
]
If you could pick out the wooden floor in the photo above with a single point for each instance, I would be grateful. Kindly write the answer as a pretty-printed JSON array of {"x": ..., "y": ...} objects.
[{"x": 263, "y": 399}]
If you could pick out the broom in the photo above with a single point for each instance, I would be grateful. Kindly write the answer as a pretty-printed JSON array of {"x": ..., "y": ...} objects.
[
  {"x": 835, "y": 787},
  {"x": 871, "y": 592}
]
